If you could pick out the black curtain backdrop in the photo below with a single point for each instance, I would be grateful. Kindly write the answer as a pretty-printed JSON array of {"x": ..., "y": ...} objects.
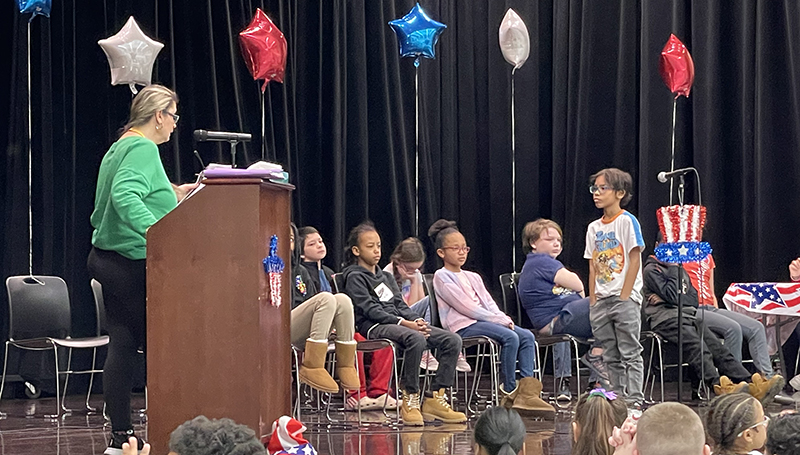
[{"x": 342, "y": 124}]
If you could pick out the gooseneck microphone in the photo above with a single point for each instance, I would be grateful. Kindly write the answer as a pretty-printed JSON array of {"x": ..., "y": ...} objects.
[
  {"x": 664, "y": 176},
  {"x": 221, "y": 136}
]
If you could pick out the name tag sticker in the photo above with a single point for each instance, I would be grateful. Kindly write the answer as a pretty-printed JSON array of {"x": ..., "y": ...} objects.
[{"x": 383, "y": 292}]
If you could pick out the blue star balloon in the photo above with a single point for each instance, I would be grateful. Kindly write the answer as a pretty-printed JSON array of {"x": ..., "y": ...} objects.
[
  {"x": 417, "y": 34},
  {"x": 35, "y": 7}
]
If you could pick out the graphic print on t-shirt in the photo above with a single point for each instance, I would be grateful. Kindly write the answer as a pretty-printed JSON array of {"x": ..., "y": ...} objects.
[
  {"x": 562, "y": 291},
  {"x": 608, "y": 256}
]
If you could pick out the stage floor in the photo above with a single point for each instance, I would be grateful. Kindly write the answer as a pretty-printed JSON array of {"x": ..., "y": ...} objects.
[{"x": 25, "y": 431}]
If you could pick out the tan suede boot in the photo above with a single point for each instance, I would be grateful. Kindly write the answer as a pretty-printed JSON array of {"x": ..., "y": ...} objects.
[
  {"x": 313, "y": 372},
  {"x": 437, "y": 408},
  {"x": 764, "y": 390},
  {"x": 529, "y": 399},
  {"x": 507, "y": 398},
  {"x": 409, "y": 409},
  {"x": 727, "y": 386},
  {"x": 346, "y": 365}
]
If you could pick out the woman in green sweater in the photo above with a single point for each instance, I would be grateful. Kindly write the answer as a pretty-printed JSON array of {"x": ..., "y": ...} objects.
[{"x": 133, "y": 192}]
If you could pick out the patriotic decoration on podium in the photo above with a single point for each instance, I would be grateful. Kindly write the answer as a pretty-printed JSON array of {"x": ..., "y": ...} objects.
[
  {"x": 772, "y": 298},
  {"x": 273, "y": 267},
  {"x": 682, "y": 229},
  {"x": 287, "y": 438}
]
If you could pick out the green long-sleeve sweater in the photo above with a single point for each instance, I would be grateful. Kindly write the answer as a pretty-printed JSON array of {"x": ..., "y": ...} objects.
[{"x": 133, "y": 192}]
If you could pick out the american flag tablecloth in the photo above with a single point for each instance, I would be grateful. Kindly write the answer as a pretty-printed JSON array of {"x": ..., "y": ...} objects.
[
  {"x": 775, "y": 301},
  {"x": 767, "y": 298}
]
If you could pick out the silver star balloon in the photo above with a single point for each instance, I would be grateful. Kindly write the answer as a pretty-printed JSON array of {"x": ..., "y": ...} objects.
[{"x": 131, "y": 55}]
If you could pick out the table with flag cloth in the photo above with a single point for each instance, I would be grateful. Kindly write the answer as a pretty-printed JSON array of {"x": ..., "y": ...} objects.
[{"x": 777, "y": 305}]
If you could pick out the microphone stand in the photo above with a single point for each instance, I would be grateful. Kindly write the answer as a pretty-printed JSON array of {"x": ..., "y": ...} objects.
[
  {"x": 683, "y": 287},
  {"x": 233, "y": 153}
]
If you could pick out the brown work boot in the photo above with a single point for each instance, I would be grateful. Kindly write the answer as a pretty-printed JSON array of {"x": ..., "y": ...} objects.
[
  {"x": 507, "y": 398},
  {"x": 437, "y": 408},
  {"x": 764, "y": 390},
  {"x": 529, "y": 399},
  {"x": 726, "y": 386},
  {"x": 313, "y": 372},
  {"x": 409, "y": 410},
  {"x": 346, "y": 365}
]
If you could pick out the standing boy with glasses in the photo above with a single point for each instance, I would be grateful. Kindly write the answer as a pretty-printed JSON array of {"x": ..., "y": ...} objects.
[{"x": 613, "y": 247}]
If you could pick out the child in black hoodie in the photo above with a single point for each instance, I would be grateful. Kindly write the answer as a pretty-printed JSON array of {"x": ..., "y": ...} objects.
[{"x": 380, "y": 312}]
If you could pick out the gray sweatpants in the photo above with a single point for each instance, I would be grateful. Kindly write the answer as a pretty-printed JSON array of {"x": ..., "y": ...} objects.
[{"x": 616, "y": 325}]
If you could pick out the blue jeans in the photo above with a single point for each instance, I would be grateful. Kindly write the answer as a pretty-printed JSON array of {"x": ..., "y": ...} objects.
[
  {"x": 733, "y": 327},
  {"x": 516, "y": 345},
  {"x": 573, "y": 319},
  {"x": 423, "y": 308}
]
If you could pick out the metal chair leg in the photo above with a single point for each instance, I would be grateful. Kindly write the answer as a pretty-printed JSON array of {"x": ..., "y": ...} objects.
[
  {"x": 58, "y": 385},
  {"x": 91, "y": 381},
  {"x": 3, "y": 381}
]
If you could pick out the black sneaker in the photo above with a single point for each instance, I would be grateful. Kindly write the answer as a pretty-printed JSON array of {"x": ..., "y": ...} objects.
[
  {"x": 564, "y": 393},
  {"x": 596, "y": 364},
  {"x": 120, "y": 437}
]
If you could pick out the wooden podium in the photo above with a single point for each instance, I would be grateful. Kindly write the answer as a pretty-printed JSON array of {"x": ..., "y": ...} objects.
[{"x": 215, "y": 344}]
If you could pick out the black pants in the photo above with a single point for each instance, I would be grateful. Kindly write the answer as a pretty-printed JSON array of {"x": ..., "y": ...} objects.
[
  {"x": 446, "y": 343},
  {"x": 708, "y": 355},
  {"x": 124, "y": 296}
]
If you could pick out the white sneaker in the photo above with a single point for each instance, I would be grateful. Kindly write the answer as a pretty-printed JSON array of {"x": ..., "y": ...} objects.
[
  {"x": 428, "y": 361},
  {"x": 366, "y": 404},
  {"x": 795, "y": 382},
  {"x": 462, "y": 365},
  {"x": 391, "y": 403}
]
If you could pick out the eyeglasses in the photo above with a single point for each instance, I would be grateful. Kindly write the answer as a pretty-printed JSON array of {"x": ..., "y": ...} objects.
[
  {"x": 601, "y": 189},
  {"x": 174, "y": 116},
  {"x": 758, "y": 424},
  {"x": 457, "y": 249}
]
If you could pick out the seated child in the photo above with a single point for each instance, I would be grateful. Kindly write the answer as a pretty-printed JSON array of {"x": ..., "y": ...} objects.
[
  {"x": 381, "y": 313},
  {"x": 664, "y": 429},
  {"x": 783, "y": 435},
  {"x": 314, "y": 314},
  {"x": 467, "y": 308}
]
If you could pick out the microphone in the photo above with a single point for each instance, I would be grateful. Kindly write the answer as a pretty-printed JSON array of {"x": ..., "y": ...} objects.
[
  {"x": 664, "y": 176},
  {"x": 205, "y": 136}
]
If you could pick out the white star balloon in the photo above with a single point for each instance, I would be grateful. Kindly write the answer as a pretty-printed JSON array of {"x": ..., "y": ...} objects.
[{"x": 131, "y": 55}]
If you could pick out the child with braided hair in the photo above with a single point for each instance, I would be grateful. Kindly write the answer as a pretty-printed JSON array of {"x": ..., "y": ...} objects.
[
  {"x": 596, "y": 414},
  {"x": 736, "y": 424}
]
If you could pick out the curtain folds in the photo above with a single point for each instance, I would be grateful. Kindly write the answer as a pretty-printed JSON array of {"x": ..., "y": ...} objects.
[{"x": 343, "y": 122}]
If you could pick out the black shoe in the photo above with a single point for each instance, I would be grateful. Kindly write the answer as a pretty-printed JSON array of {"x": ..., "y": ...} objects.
[
  {"x": 596, "y": 364},
  {"x": 118, "y": 438},
  {"x": 564, "y": 394}
]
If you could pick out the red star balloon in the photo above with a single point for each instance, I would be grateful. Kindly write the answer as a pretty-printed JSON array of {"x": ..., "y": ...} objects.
[
  {"x": 676, "y": 67},
  {"x": 264, "y": 49}
]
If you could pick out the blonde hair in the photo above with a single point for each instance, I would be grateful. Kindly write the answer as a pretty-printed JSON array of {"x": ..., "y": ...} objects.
[
  {"x": 596, "y": 416},
  {"x": 151, "y": 99},
  {"x": 533, "y": 230}
]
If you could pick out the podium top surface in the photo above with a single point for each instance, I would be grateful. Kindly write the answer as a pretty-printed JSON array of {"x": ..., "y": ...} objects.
[{"x": 248, "y": 181}]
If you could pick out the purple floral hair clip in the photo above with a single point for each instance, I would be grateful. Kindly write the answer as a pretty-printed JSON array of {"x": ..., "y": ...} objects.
[{"x": 601, "y": 392}]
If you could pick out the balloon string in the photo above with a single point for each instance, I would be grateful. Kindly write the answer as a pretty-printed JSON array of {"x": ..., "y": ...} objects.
[
  {"x": 263, "y": 128},
  {"x": 30, "y": 162},
  {"x": 672, "y": 159},
  {"x": 416, "y": 152},
  {"x": 513, "y": 178}
]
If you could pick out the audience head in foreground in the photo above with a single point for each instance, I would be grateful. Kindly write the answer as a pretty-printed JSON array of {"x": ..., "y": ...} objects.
[
  {"x": 736, "y": 424},
  {"x": 201, "y": 436},
  {"x": 671, "y": 429},
  {"x": 596, "y": 415},
  {"x": 499, "y": 431},
  {"x": 783, "y": 435}
]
